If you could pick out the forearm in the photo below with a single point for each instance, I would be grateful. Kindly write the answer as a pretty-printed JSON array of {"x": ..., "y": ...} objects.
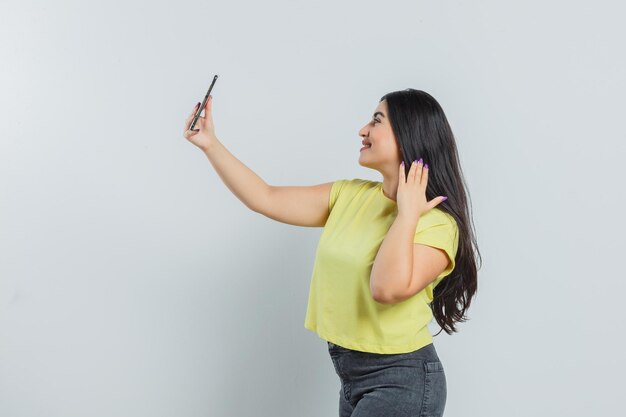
[
  {"x": 393, "y": 266},
  {"x": 240, "y": 180}
]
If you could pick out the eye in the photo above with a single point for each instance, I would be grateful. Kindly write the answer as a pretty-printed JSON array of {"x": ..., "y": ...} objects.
[{"x": 375, "y": 120}]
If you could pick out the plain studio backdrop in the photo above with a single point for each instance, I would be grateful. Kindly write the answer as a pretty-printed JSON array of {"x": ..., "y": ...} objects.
[{"x": 134, "y": 283}]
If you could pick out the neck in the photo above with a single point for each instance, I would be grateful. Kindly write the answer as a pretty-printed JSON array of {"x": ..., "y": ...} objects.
[{"x": 390, "y": 186}]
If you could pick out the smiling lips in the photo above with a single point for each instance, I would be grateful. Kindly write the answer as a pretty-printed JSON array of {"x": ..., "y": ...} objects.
[{"x": 367, "y": 144}]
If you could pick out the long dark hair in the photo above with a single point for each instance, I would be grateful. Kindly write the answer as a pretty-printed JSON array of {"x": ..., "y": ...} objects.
[{"x": 422, "y": 131}]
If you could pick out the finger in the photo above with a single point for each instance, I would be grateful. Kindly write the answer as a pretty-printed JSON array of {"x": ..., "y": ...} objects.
[
  {"x": 438, "y": 200},
  {"x": 402, "y": 174},
  {"x": 199, "y": 111},
  {"x": 413, "y": 171},
  {"x": 418, "y": 171},
  {"x": 425, "y": 174},
  {"x": 191, "y": 116},
  {"x": 208, "y": 105},
  {"x": 195, "y": 109},
  {"x": 189, "y": 133}
]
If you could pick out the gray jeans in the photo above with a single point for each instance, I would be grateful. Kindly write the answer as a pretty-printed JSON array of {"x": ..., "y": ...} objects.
[{"x": 389, "y": 385}]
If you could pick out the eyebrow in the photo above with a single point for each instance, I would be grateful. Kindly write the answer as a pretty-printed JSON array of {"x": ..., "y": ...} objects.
[{"x": 378, "y": 113}]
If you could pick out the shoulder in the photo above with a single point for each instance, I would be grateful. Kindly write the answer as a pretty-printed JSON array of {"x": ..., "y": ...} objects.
[
  {"x": 353, "y": 184},
  {"x": 438, "y": 228},
  {"x": 439, "y": 219},
  {"x": 442, "y": 216},
  {"x": 346, "y": 189},
  {"x": 357, "y": 181}
]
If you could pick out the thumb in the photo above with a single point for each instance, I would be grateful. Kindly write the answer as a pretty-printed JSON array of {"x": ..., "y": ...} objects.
[
  {"x": 208, "y": 105},
  {"x": 437, "y": 200}
]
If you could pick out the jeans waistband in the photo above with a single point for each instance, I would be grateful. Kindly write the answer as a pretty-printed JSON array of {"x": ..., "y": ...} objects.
[{"x": 427, "y": 351}]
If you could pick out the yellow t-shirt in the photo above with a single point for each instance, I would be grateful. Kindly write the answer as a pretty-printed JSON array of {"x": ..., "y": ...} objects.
[{"x": 341, "y": 308}]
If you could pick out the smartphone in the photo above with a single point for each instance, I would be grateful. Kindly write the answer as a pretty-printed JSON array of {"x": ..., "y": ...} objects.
[{"x": 206, "y": 97}]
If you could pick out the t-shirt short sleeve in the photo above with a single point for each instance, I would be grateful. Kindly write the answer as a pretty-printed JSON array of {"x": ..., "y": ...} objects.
[
  {"x": 334, "y": 192},
  {"x": 439, "y": 229}
]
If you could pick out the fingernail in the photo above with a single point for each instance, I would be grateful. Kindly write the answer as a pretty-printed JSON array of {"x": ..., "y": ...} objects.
[
  {"x": 444, "y": 198},
  {"x": 420, "y": 161},
  {"x": 402, "y": 163},
  {"x": 426, "y": 166},
  {"x": 415, "y": 161}
]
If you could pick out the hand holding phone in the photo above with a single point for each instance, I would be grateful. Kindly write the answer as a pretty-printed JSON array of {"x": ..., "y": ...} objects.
[
  {"x": 206, "y": 97},
  {"x": 204, "y": 135}
]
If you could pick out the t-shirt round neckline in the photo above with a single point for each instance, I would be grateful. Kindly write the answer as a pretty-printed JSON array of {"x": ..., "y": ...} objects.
[{"x": 380, "y": 190}]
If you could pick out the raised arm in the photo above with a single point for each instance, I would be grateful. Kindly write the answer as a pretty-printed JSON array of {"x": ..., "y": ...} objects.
[
  {"x": 299, "y": 206},
  {"x": 295, "y": 205}
]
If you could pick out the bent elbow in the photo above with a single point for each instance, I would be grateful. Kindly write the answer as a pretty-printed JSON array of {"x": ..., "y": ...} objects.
[{"x": 381, "y": 297}]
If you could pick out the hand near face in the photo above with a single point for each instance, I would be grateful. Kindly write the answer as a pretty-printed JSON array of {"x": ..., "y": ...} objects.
[{"x": 411, "y": 195}]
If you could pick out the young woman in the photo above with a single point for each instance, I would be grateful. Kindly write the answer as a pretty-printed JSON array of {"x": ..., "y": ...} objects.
[{"x": 392, "y": 255}]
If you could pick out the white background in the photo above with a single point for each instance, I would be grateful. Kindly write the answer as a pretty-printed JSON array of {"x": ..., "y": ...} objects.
[{"x": 134, "y": 283}]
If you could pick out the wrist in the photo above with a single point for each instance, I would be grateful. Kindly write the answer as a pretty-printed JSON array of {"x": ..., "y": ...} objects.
[
  {"x": 209, "y": 147},
  {"x": 408, "y": 220}
]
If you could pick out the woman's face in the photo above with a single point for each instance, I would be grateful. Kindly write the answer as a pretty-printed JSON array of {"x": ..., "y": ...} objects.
[{"x": 384, "y": 153}]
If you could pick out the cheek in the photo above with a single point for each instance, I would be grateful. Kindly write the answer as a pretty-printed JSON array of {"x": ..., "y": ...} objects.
[
  {"x": 391, "y": 149},
  {"x": 389, "y": 146}
]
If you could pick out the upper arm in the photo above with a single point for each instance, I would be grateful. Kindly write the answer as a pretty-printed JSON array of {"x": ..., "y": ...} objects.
[
  {"x": 428, "y": 263},
  {"x": 434, "y": 250},
  {"x": 298, "y": 205}
]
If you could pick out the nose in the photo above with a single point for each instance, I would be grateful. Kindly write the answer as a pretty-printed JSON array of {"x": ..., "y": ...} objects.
[{"x": 364, "y": 131}]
